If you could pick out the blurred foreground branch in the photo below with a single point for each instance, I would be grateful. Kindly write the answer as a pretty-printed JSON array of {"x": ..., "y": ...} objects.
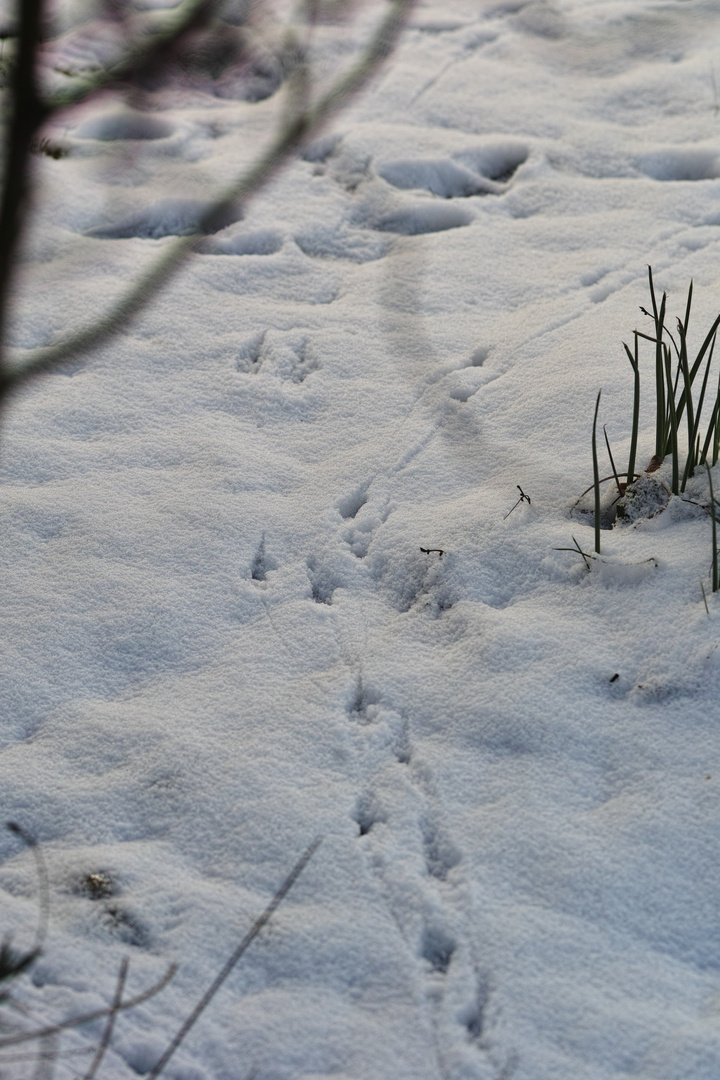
[{"x": 303, "y": 120}]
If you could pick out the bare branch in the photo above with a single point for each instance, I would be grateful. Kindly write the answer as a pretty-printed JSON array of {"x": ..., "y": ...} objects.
[
  {"x": 27, "y": 114},
  {"x": 296, "y": 131},
  {"x": 187, "y": 16}
]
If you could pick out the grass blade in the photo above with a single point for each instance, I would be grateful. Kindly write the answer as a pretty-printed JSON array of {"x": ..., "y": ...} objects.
[
  {"x": 704, "y": 348},
  {"x": 585, "y": 557},
  {"x": 686, "y": 402},
  {"x": 705, "y": 599},
  {"x": 673, "y": 426},
  {"x": 659, "y": 320},
  {"x": 693, "y": 460},
  {"x": 711, "y": 426},
  {"x": 713, "y": 519},
  {"x": 612, "y": 462},
  {"x": 635, "y": 364},
  {"x": 110, "y": 1023},
  {"x": 596, "y": 475}
]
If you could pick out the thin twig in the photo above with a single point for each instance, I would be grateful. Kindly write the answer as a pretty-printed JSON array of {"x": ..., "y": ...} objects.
[
  {"x": 242, "y": 948},
  {"x": 705, "y": 599},
  {"x": 86, "y": 1018},
  {"x": 43, "y": 883},
  {"x": 585, "y": 554},
  {"x": 16, "y": 1059},
  {"x": 603, "y": 480},
  {"x": 45, "y": 1059},
  {"x": 112, "y": 1015},
  {"x": 523, "y": 498}
]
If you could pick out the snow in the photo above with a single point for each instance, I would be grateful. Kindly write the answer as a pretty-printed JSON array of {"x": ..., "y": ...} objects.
[{"x": 220, "y": 635}]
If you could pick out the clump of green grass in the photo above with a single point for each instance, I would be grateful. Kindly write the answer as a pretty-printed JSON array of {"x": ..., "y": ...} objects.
[
  {"x": 679, "y": 409},
  {"x": 676, "y": 375}
]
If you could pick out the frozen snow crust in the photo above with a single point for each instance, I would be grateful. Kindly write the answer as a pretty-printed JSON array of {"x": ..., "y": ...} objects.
[{"x": 220, "y": 636}]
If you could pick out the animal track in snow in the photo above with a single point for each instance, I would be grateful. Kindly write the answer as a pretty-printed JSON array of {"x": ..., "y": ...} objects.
[
  {"x": 262, "y": 562},
  {"x": 422, "y": 218},
  {"x": 673, "y": 163},
  {"x": 287, "y": 355},
  {"x": 478, "y": 357},
  {"x": 482, "y": 171},
  {"x": 359, "y": 536},
  {"x": 260, "y": 242},
  {"x": 416, "y": 578},
  {"x": 474, "y": 1017},
  {"x": 362, "y": 702},
  {"x": 398, "y": 815},
  {"x": 249, "y": 354},
  {"x": 319, "y": 151},
  {"x": 168, "y": 217},
  {"x": 496, "y": 161},
  {"x": 341, "y": 241},
  {"x": 438, "y": 947},
  {"x": 444, "y": 178},
  {"x": 124, "y": 126},
  {"x": 441, "y": 855},
  {"x": 323, "y": 580},
  {"x": 367, "y": 813},
  {"x": 359, "y": 539},
  {"x": 351, "y": 505}
]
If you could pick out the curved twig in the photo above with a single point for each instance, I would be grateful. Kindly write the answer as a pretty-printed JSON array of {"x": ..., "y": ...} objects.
[{"x": 603, "y": 481}]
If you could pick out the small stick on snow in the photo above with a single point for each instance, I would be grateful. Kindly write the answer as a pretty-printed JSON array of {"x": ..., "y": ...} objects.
[{"x": 523, "y": 498}]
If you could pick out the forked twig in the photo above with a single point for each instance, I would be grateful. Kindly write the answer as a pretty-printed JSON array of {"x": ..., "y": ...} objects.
[{"x": 523, "y": 498}]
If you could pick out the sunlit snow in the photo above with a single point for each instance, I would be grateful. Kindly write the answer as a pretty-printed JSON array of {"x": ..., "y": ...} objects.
[{"x": 221, "y": 636}]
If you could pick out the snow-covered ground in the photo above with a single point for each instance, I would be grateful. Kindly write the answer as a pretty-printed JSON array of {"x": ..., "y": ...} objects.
[{"x": 221, "y": 638}]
